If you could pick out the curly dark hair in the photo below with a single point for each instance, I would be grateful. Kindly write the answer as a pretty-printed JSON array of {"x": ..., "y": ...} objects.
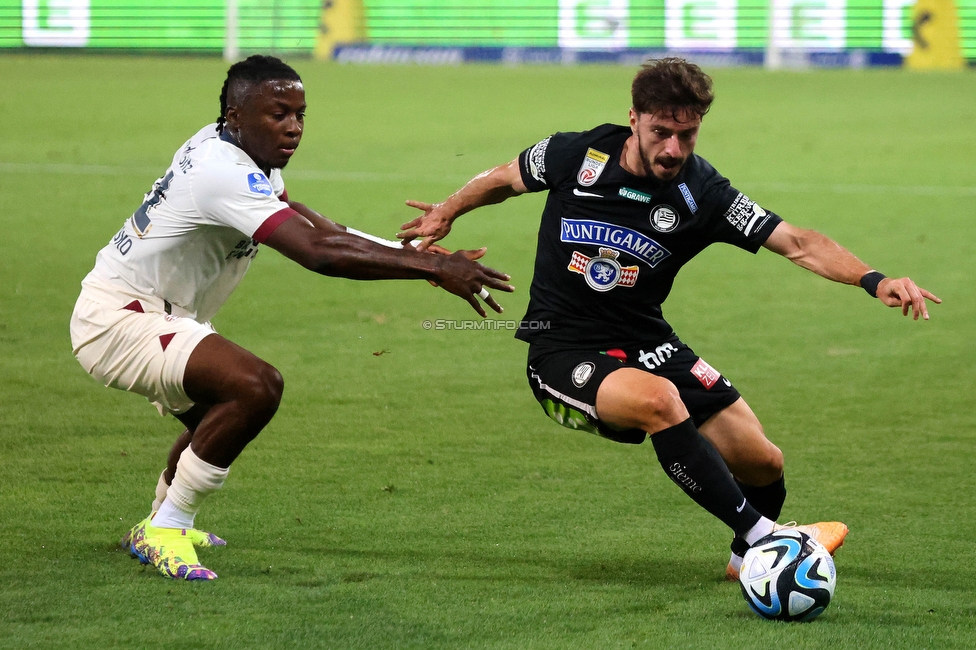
[
  {"x": 671, "y": 85},
  {"x": 252, "y": 70}
]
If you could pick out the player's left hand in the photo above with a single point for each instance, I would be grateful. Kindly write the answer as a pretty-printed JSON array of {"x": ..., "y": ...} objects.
[{"x": 902, "y": 291}]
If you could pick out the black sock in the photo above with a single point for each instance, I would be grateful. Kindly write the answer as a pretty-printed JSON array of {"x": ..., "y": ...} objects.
[
  {"x": 691, "y": 462},
  {"x": 767, "y": 499}
]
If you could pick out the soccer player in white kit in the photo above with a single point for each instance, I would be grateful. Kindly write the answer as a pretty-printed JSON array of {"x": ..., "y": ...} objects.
[{"x": 141, "y": 323}]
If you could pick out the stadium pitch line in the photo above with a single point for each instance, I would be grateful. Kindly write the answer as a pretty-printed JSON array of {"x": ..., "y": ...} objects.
[{"x": 392, "y": 177}]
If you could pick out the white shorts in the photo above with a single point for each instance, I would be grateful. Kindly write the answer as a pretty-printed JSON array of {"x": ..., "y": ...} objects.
[{"x": 132, "y": 344}]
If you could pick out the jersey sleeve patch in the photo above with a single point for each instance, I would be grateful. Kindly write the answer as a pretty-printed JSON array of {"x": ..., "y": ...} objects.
[
  {"x": 746, "y": 215},
  {"x": 532, "y": 166},
  {"x": 689, "y": 199},
  {"x": 259, "y": 184},
  {"x": 271, "y": 224},
  {"x": 593, "y": 165},
  {"x": 537, "y": 160}
]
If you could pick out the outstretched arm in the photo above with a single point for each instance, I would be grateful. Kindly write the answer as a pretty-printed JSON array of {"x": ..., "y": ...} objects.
[
  {"x": 321, "y": 245},
  {"x": 825, "y": 257},
  {"x": 492, "y": 186}
]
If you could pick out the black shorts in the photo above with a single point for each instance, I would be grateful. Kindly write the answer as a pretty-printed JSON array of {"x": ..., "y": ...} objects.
[{"x": 566, "y": 382}]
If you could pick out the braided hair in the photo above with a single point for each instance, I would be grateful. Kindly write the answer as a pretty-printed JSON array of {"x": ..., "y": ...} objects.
[{"x": 253, "y": 70}]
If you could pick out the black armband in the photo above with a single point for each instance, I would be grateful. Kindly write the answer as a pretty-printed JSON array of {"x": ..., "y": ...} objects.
[{"x": 870, "y": 282}]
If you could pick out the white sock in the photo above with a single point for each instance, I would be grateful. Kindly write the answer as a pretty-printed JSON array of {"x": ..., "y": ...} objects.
[
  {"x": 161, "y": 487},
  {"x": 735, "y": 561},
  {"x": 762, "y": 528},
  {"x": 195, "y": 480},
  {"x": 171, "y": 516}
]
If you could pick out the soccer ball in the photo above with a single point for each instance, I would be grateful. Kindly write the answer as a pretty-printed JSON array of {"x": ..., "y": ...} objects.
[{"x": 788, "y": 576}]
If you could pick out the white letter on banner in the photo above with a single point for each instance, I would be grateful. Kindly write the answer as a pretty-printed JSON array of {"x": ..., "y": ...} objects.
[
  {"x": 56, "y": 23},
  {"x": 594, "y": 24},
  {"x": 700, "y": 24},
  {"x": 896, "y": 34},
  {"x": 810, "y": 24}
]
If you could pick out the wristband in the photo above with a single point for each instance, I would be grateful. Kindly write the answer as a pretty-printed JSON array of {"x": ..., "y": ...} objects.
[
  {"x": 870, "y": 281},
  {"x": 373, "y": 238}
]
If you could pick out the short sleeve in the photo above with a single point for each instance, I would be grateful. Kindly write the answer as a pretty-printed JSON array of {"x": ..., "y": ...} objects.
[
  {"x": 547, "y": 163},
  {"x": 241, "y": 197},
  {"x": 733, "y": 217},
  {"x": 746, "y": 224}
]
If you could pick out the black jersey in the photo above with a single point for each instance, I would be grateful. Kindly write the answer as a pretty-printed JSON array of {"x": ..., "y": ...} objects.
[{"x": 610, "y": 243}]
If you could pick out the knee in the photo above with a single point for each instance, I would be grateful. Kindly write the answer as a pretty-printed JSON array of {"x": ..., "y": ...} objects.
[
  {"x": 662, "y": 406},
  {"x": 775, "y": 463},
  {"x": 769, "y": 466},
  {"x": 262, "y": 390}
]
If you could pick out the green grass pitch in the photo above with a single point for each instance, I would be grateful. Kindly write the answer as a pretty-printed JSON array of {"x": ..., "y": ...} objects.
[{"x": 410, "y": 493}]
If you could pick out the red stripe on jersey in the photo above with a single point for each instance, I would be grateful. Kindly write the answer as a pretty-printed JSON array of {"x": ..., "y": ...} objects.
[
  {"x": 164, "y": 340},
  {"x": 135, "y": 305},
  {"x": 271, "y": 224},
  {"x": 283, "y": 196}
]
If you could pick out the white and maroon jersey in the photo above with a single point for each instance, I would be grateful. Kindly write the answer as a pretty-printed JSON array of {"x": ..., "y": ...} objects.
[{"x": 193, "y": 238}]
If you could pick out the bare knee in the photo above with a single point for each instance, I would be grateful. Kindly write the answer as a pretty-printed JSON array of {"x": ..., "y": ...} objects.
[
  {"x": 777, "y": 462},
  {"x": 762, "y": 468},
  {"x": 261, "y": 390},
  {"x": 663, "y": 406},
  {"x": 632, "y": 399}
]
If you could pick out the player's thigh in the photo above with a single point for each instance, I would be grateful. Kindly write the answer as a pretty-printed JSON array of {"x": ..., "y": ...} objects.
[
  {"x": 630, "y": 398},
  {"x": 220, "y": 371},
  {"x": 738, "y": 436},
  {"x": 566, "y": 382},
  {"x": 140, "y": 352}
]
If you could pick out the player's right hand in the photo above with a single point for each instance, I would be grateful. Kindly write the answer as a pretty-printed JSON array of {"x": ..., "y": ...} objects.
[
  {"x": 902, "y": 292},
  {"x": 464, "y": 277},
  {"x": 433, "y": 225}
]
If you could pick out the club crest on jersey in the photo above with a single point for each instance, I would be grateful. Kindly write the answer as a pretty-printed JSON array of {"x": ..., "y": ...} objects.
[
  {"x": 592, "y": 167},
  {"x": 603, "y": 272},
  {"x": 259, "y": 183},
  {"x": 664, "y": 218}
]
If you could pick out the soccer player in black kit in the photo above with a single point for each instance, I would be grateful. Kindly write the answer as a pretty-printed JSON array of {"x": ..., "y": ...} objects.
[{"x": 628, "y": 206}]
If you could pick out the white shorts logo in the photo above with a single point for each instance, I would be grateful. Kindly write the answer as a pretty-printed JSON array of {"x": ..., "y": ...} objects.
[
  {"x": 658, "y": 356},
  {"x": 582, "y": 373}
]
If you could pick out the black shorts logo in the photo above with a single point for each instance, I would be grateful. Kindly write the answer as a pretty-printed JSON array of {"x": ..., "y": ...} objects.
[{"x": 582, "y": 373}]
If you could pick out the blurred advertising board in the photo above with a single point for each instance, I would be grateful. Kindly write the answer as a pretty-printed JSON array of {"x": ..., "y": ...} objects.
[{"x": 845, "y": 32}]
